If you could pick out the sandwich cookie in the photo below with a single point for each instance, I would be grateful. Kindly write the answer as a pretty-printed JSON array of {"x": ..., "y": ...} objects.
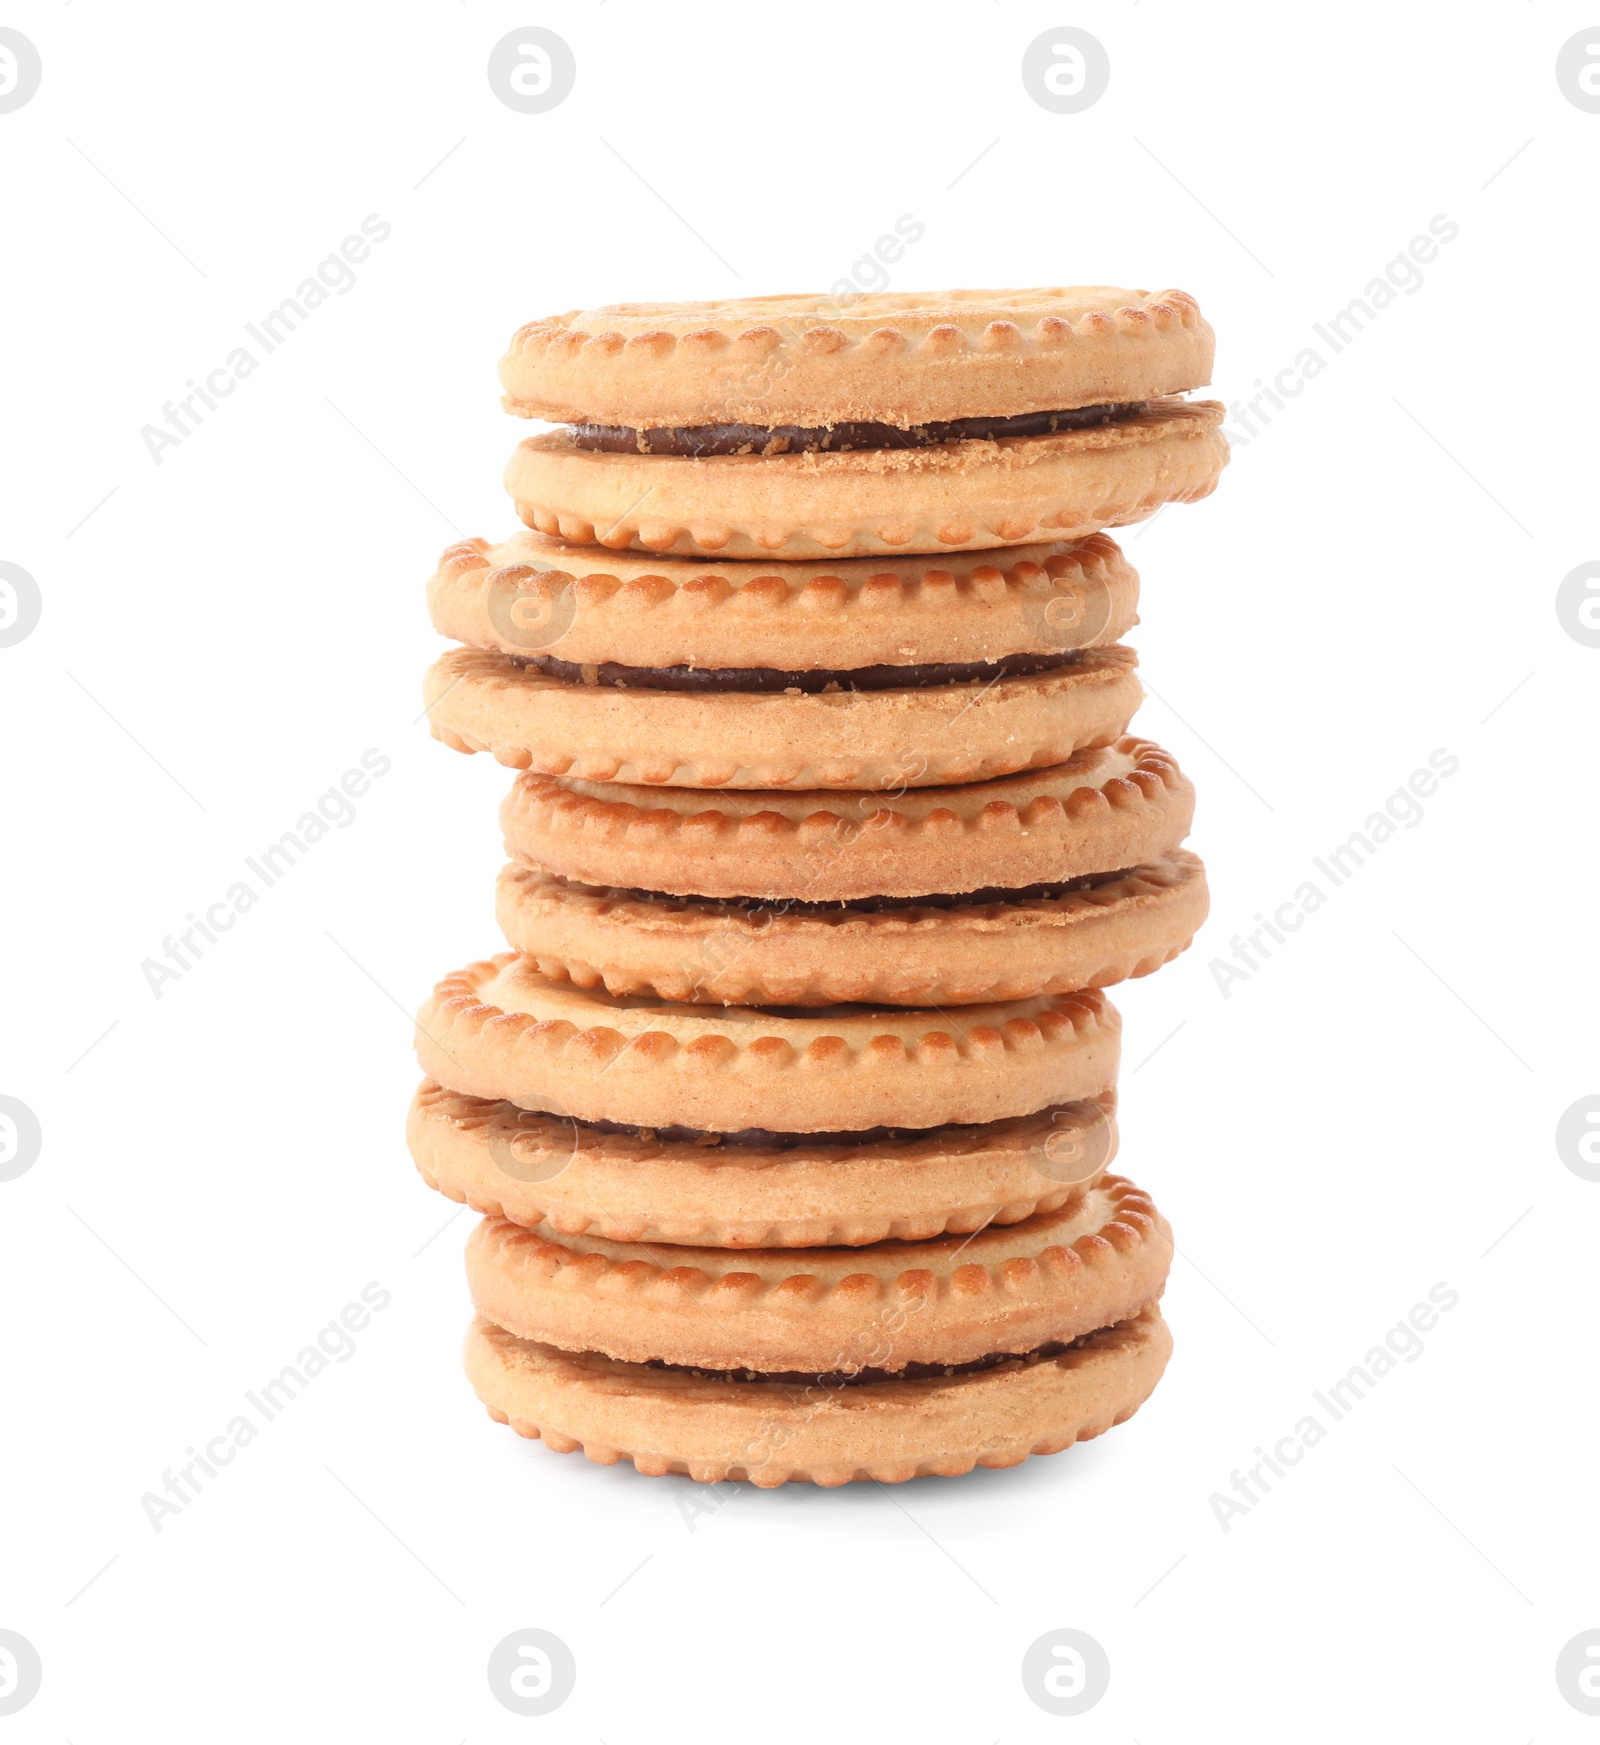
[
  {"x": 499, "y": 1029},
  {"x": 760, "y": 1191},
  {"x": 1103, "y": 810},
  {"x": 881, "y": 1309},
  {"x": 664, "y": 621},
  {"x": 1090, "y": 932},
  {"x": 860, "y": 730},
  {"x": 938, "y": 421},
  {"x": 771, "y": 1432}
]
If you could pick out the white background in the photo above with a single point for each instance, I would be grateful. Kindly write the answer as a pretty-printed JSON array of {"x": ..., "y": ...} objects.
[{"x": 227, "y": 632}]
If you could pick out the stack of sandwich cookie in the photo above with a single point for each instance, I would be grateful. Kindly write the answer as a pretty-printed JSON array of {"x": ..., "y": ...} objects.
[{"x": 791, "y": 1109}]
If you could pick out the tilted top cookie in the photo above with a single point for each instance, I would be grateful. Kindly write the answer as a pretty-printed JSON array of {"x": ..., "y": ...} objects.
[{"x": 906, "y": 360}]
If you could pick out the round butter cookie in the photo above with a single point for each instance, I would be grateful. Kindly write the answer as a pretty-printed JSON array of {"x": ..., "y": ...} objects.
[
  {"x": 532, "y": 595},
  {"x": 906, "y": 359},
  {"x": 1090, "y": 933},
  {"x": 972, "y": 495},
  {"x": 481, "y": 700},
  {"x": 499, "y": 1029},
  {"x": 954, "y": 1299},
  {"x": 768, "y": 1432},
  {"x": 1121, "y": 806},
  {"x": 574, "y": 1179}
]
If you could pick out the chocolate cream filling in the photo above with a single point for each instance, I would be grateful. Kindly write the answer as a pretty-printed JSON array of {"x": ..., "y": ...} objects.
[
  {"x": 764, "y": 1138},
  {"x": 711, "y": 439},
  {"x": 761, "y": 911},
  {"x": 777, "y": 679},
  {"x": 844, "y": 1378}
]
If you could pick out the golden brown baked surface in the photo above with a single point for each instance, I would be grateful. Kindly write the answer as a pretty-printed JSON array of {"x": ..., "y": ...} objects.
[
  {"x": 902, "y": 358},
  {"x": 949, "y": 1300},
  {"x": 499, "y": 1029},
  {"x": 1124, "y": 805},
  {"x": 532, "y": 594}
]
